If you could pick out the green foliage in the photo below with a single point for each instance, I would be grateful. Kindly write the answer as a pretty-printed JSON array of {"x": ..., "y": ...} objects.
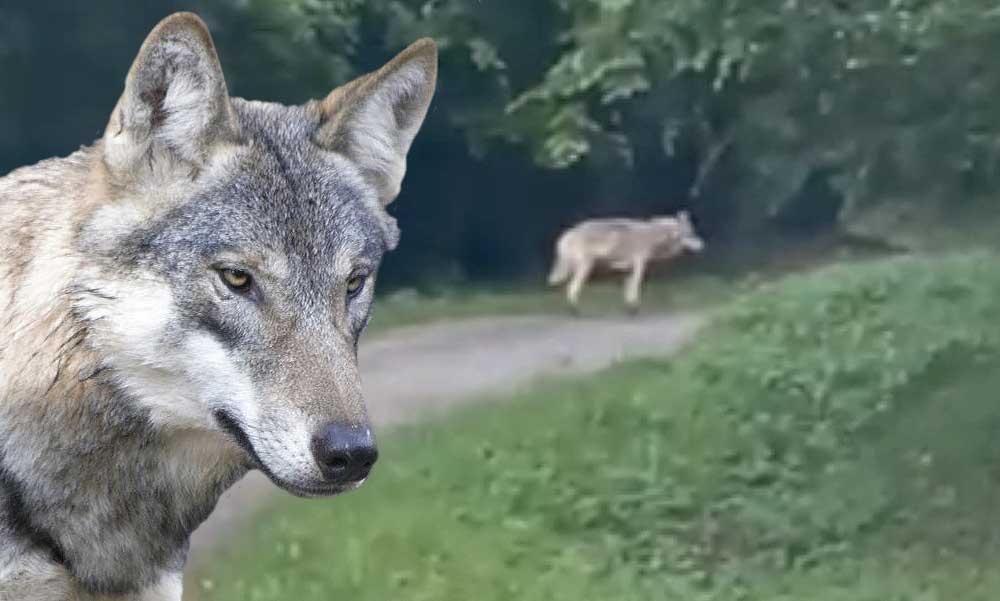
[
  {"x": 887, "y": 102},
  {"x": 286, "y": 51},
  {"x": 808, "y": 373},
  {"x": 876, "y": 116},
  {"x": 830, "y": 437},
  {"x": 871, "y": 94}
]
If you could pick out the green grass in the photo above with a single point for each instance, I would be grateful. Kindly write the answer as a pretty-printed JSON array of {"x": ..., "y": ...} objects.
[
  {"x": 601, "y": 297},
  {"x": 832, "y": 437}
]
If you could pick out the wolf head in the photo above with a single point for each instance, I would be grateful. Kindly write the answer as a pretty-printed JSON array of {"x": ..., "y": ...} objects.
[
  {"x": 681, "y": 231},
  {"x": 232, "y": 251},
  {"x": 690, "y": 240}
]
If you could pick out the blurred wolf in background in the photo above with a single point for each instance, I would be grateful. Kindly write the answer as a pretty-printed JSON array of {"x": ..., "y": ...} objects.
[
  {"x": 622, "y": 245},
  {"x": 180, "y": 303}
]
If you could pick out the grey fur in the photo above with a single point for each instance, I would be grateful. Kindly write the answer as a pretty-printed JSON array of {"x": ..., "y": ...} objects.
[
  {"x": 623, "y": 245},
  {"x": 136, "y": 386}
]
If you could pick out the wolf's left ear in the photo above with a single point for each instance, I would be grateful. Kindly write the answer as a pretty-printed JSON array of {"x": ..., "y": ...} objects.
[
  {"x": 175, "y": 105},
  {"x": 373, "y": 119}
]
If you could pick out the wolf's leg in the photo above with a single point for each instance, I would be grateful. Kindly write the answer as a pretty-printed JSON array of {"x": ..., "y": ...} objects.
[
  {"x": 580, "y": 275},
  {"x": 633, "y": 282}
]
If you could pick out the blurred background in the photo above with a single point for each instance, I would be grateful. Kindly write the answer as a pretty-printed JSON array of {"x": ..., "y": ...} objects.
[{"x": 830, "y": 429}]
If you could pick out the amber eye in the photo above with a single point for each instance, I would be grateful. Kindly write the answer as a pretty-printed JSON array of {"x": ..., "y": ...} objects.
[
  {"x": 355, "y": 284},
  {"x": 238, "y": 280}
]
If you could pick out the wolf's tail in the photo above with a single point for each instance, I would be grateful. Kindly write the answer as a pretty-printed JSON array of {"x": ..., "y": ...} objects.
[{"x": 560, "y": 271}]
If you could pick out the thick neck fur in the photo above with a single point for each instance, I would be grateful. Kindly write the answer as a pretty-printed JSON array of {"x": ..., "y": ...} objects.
[{"x": 82, "y": 470}]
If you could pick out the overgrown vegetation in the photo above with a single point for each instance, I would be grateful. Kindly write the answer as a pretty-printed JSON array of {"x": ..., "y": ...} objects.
[
  {"x": 831, "y": 437},
  {"x": 762, "y": 116},
  {"x": 873, "y": 114}
]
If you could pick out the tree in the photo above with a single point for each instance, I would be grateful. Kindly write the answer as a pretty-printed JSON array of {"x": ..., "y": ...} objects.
[{"x": 876, "y": 100}]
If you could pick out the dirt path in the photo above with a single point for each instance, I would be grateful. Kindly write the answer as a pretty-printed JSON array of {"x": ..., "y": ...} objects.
[{"x": 412, "y": 371}]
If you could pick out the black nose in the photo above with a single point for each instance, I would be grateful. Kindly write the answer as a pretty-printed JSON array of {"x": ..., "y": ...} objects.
[{"x": 344, "y": 453}]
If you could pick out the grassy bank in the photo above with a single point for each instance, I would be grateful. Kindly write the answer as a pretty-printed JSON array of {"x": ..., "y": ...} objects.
[
  {"x": 603, "y": 297},
  {"x": 832, "y": 437}
]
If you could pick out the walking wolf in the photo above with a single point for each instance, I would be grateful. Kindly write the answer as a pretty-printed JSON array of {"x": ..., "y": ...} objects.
[{"x": 622, "y": 245}]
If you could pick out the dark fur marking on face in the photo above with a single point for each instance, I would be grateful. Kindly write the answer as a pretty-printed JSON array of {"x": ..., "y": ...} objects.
[
  {"x": 226, "y": 336},
  {"x": 230, "y": 426}
]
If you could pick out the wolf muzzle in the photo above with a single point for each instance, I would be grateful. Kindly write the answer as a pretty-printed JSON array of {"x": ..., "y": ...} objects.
[{"x": 344, "y": 454}]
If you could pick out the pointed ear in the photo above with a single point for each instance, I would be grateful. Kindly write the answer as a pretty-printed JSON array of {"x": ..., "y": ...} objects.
[
  {"x": 373, "y": 119},
  {"x": 175, "y": 105}
]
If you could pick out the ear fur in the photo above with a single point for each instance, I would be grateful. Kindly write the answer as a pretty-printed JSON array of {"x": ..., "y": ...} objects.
[
  {"x": 175, "y": 105},
  {"x": 374, "y": 119}
]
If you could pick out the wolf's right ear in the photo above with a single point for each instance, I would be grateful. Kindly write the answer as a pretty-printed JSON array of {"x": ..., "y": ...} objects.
[
  {"x": 175, "y": 106},
  {"x": 373, "y": 119}
]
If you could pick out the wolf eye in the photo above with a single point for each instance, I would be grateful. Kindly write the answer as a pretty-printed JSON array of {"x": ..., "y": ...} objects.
[
  {"x": 237, "y": 280},
  {"x": 354, "y": 285}
]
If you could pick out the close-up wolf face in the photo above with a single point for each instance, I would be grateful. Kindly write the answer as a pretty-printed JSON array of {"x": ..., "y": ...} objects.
[{"x": 234, "y": 265}]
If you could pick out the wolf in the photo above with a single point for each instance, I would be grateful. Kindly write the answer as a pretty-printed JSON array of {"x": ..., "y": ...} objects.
[
  {"x": 180, "y": 303},
  {"x": 622, "y": 245}
]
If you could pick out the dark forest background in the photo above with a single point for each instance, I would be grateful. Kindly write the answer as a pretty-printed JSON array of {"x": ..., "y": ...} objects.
[{"x": 774, "y": 121}]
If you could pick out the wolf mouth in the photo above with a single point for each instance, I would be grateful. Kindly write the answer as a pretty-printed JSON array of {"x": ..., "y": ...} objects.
[{"x": 231, "y": 426}]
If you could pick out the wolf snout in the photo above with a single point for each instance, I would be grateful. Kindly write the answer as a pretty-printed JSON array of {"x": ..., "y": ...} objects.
[{"x": 345, "y": 454}]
